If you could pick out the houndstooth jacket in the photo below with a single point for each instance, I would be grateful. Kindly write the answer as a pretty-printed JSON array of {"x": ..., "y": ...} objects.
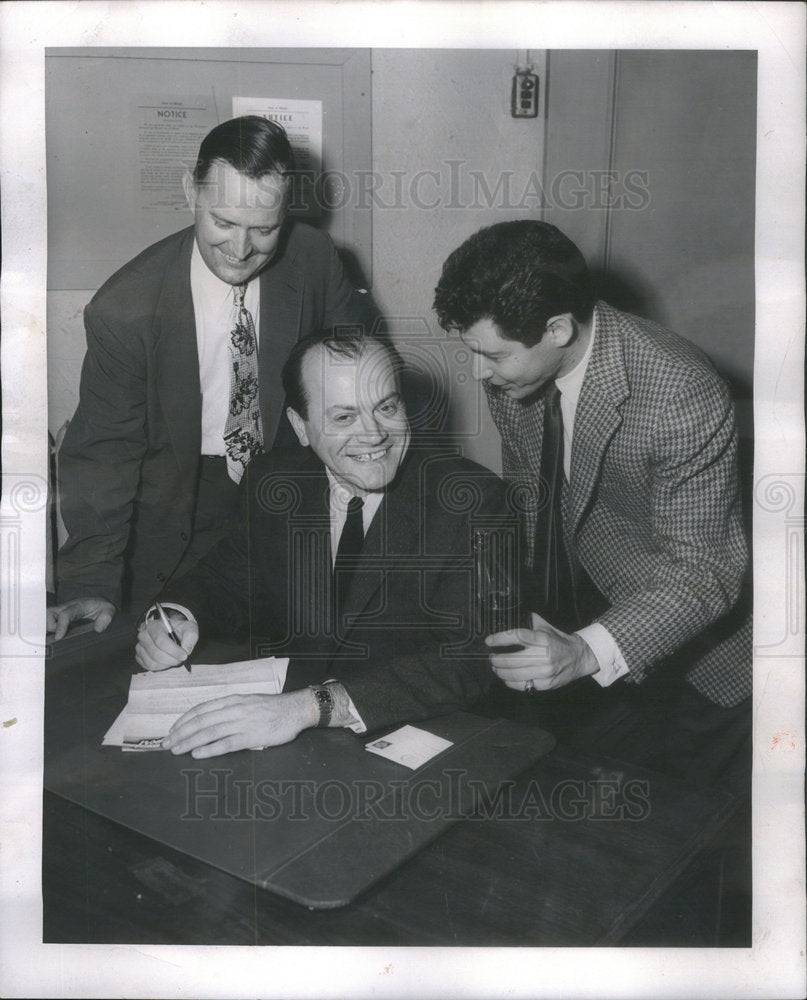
[{"x": 652, "y": 509}]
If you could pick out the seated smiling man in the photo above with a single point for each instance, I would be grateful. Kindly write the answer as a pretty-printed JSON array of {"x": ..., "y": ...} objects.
[{"x": 356, "y": 563}]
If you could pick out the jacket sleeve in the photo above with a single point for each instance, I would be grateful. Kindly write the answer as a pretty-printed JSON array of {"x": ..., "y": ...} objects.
[
  {"x": 344, "y": 303},
  {"x": 433, "y": 671},
  {"x": 691, "y": 573},
  {"x": 99, "y": 462}
]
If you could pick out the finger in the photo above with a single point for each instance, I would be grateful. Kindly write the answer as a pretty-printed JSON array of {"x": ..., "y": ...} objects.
[
  {"x": 225, "y": 732},
  {"x": 541, "y": 624},
  {"x": 518, "y": 675},
  {"x": 508, "y": 638},
  {"x": 145, "y": 661},
  {"x": 227, "y": 745},
  {"x": 534, "y": 656},
  {"x": 188, "y": 638},
  {"x": 530, "y": 683},
  {"x": 161, "y": 648},
  {"x": 63, "y": 620},
  {"x": 217, "y": 710},
  {"x": 103, "y": 620}
]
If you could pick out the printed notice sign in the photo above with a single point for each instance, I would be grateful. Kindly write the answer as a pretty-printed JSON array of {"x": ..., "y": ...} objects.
[
  {"x": 302, "y": 121},
  {"x": 167, "y": 131}
]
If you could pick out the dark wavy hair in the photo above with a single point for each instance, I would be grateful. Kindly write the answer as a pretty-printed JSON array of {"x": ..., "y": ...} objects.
[
  {"x": 340, "y": 341},
  {"x": 518, "y": 274},
  {"x": 251, "y": 144}
]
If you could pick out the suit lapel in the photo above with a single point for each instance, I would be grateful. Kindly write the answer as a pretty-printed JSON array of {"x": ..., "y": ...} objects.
[
  {"x": 605, "y": 388},
  {"x": 176, "y": 361},
  {"x": 281, "y": 306}
]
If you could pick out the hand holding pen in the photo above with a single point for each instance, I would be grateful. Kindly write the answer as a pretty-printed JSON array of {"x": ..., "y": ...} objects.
[
  {"x": 162, "y": 644},
  {"x": 171, "y": 633}
]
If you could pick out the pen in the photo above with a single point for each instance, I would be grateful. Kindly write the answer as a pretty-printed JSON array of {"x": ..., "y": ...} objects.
[{"x": 171, "y": 633}]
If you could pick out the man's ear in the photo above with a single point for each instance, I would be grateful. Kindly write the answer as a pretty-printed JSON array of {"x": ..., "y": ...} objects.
[
  {"x": 561, "y": 329},
  {"x": 189, "y": 187},
  {"x": 298, "y": 426}
]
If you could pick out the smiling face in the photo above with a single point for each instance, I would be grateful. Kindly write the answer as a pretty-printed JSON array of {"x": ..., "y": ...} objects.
[
  {"x": 355, "y": 421},
  {"x": 237, "y": 220},
  {"x": 514, "y": 368}
]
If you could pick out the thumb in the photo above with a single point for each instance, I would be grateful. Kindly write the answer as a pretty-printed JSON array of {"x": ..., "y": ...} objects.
[
  {"x": 103, "y": 620},
  {"x": 189, "y": 637},
  {"x": 542, "y": 625},
  {"x": 61, "y": 625}
]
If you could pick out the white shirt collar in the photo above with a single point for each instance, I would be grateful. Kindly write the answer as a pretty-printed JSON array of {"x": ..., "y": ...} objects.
[
  {"x": 212, "y": 291},
  {"x": 571, "y": 384}
]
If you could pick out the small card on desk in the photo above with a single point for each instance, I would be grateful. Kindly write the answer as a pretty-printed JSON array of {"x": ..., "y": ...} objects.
[{"x": 409, "y": 746}]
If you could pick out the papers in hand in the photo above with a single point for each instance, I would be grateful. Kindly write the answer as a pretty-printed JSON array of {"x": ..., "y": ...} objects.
[
  {"x": 157, "y": 699},
  {"x": 409, "y": 746}
]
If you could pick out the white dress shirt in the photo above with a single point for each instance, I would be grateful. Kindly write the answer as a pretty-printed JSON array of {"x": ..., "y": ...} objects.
[
  {"x": 213, "y": 304},
  {"x": 602, "y": 643}
]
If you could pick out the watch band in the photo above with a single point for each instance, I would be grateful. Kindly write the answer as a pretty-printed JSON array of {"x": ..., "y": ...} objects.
[{"x": 324, "y": 699}]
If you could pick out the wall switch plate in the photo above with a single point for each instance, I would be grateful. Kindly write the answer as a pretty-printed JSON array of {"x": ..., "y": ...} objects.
[{"x": 524, "y": 95}]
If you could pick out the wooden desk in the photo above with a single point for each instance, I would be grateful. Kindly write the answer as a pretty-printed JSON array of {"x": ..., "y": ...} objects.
[{"x": 581, "y": 851}]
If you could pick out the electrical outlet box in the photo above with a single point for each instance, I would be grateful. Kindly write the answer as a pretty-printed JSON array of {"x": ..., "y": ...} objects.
[{"x": 524, "y": 95}]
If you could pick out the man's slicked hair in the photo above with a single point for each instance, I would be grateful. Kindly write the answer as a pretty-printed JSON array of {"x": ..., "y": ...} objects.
[
  {"x": 252, "y": 145},
  {"x": 349, "y": 342},
  {"x": 518, "y": 274}
]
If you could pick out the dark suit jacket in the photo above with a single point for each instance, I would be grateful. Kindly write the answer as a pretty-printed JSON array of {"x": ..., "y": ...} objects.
[
  {"x": 407, "y": 647},
  {"x": 129, "y": 461},
  {"x": 652, "y": 510}
]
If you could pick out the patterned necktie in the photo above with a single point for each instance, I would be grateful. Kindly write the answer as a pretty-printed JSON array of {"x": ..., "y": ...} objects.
[
  {"x": 350, "y": 545},
  {"x": 243, "y": 432},
  {"x": 551, "y": 562}
]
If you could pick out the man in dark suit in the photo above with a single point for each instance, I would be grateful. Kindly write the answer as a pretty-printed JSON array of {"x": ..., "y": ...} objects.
[
  {"x": 626, "y": 435},
  {"x": 181, "y": 381},
  {"x": 356, "y": 562}
]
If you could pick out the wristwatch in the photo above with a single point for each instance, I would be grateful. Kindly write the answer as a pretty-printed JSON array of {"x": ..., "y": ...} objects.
[{"x": 324, "y": 699}]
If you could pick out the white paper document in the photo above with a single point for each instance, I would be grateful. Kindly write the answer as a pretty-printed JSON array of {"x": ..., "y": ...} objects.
[
  {"x": 157, "y": 699},
  {"x": 409, "y": 746}
]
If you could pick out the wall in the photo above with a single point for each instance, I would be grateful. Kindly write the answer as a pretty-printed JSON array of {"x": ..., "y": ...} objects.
[
  {"x": 440, "y": 111},
  {"x": 446, "y": 111},
  {"x": 680, "y": 247},
  {"x": 448, "y": 158}
]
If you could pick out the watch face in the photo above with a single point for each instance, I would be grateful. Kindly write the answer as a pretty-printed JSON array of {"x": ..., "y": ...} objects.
[{"x": 325, "y": 703}]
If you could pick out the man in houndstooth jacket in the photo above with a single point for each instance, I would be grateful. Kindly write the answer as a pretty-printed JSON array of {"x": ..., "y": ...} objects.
[{"x": 650, "y": 507}]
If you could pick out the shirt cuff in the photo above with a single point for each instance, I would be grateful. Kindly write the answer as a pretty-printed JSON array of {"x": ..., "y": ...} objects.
[
  {"x": 356, "y": 725},
  {"x": 168, "y": 606},
  {"x": 606, "y": 652}
]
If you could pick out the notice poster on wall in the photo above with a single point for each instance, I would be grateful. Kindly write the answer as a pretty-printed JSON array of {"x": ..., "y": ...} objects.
[
  {"x": 167, "y": 132},
  {"x": 302, "y": 121}
]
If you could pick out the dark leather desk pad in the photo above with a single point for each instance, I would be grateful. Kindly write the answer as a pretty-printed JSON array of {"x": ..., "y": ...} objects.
[{"x": 317, "y": 821}]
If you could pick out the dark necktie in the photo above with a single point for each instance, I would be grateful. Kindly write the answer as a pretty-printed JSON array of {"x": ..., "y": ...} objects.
[
  {"x": 350, "y": 544},
  {"x": 553, "y": 576},
  {"x": 243, "y": 433}
]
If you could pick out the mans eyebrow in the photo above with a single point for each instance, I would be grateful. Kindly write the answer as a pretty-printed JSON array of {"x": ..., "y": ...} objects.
[
  {"x": 393, "y": 395},
  {"x": 229, "y": 222}
]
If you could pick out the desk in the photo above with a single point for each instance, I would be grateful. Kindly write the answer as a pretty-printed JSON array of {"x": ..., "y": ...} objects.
[{"x": 583, "y": 851}]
